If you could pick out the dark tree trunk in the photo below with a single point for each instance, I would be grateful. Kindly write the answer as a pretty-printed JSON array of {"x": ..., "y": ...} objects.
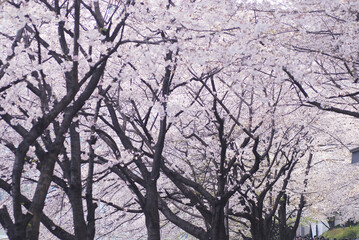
[
  {"x": 261, "y": 227},
  {"x": 285, "y": 232},
  {"x": 75, "y": 190},
  {"x": 6, "y": 221},
  {"x": 20, "y": 231},
  {"x": 91, "y": 206},
  {"x": 151, "y": 211},
  {"x": 218, "y": 227},
  {"x": 259, "y": 232},
  {"x": 38, "y": 202}
]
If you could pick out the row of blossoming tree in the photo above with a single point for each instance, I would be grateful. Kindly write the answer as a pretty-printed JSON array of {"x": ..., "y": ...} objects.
[{"x": 150, "y": 119}]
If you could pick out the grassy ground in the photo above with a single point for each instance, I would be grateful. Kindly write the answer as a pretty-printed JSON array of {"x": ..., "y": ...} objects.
[{"x": 341, "y": 233}]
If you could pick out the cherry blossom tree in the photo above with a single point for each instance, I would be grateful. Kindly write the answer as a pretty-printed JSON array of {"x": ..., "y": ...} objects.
[
  {"x": 48, "y": 76},
  {"x": 124, "y": 109},
  {"x": 323, "y": 71}
]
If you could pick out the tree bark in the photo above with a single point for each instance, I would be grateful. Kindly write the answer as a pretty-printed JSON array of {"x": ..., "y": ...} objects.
[
  {"x": 7, "y": 223},
  {"x": 260, "y": 231},
  {"x": 91, "y": 206},
  {"x": 218, "y": 228},
  {"x": 75, "y": 190},
  {"x": 151, "y": 211},
  {"x": 260, "y": 225},
  {"x": 20, "y": 232},
  {"x": 284, "y": 231},
  {"x": 38, "y": 202}
]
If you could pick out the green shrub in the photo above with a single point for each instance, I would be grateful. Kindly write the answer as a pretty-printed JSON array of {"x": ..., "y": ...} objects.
[{"x": 340, "y": 233}]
